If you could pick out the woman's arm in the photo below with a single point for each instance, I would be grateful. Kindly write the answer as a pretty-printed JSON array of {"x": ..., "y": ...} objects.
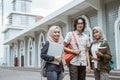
[
  {"x": 88, "y": 60},
  {"x": 107, "y": 54},
  {"x": 44, "y": 53},
  {"x": 71, "y": 50}
]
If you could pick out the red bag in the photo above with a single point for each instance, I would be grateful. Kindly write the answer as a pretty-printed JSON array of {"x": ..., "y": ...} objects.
[{"x": 68, "y": 56}]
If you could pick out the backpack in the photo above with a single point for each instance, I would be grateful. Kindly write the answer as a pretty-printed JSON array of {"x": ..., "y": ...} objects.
[
  {"x": 43, "y": 68},
  {"x": 111, "y": 62}
]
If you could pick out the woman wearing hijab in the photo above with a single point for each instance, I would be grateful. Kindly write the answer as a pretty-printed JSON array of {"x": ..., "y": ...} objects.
[
  {"x": 100, "y": 58},
  {"x": 54, "y": 72}
]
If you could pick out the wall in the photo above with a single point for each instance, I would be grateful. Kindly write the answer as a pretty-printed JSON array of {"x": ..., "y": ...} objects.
[{"x": 111, "y": 16}]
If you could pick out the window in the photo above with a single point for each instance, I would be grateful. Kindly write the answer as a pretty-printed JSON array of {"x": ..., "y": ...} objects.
[
  {"x": 24, "y": 20},
  {"x": 21, "y": 48},
  {"x": 15, "y": 50},
  {"x": 10, "y": 20},
  {"x": 42, "y": 40},
  {"x": 23, "y": 6},
  {"x": 14, "y": 5}
]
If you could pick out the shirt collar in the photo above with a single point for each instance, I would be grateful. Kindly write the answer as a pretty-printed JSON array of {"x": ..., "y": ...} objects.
[{"x": 76, "y": 32}]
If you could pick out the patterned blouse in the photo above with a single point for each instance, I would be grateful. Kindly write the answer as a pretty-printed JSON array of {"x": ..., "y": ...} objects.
[{"x": 83, "y": 43}]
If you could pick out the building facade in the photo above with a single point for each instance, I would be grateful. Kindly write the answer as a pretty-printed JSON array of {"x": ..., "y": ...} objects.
[
  {"x": 19, "y": 19},
  {"x": 27, "y": 44}
]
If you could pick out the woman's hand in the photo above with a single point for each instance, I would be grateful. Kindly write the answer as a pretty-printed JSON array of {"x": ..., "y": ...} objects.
[
  {"x": 94, "y": 58},
  {"x": 88, "y": 69},
  {"x": 78, "y": 51},
  {"x": 58, "y": 58},
  {"x": 99, "y": 54}
]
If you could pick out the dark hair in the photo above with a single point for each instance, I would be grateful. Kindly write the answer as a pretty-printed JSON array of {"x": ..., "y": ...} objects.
[{"x": 76, "y": 22}]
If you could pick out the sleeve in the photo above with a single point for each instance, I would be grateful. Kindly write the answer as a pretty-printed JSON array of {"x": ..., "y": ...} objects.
[
  {"x": 68, "y": 37},
  {"x": 107, "y": 56},
  {"x": 44, "y": 53}
]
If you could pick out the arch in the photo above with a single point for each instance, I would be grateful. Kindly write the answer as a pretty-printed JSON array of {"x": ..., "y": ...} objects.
[
  {"x": 15, "y": 50},
  {"x": 40, "y": 45},
  {"x": 41, "y": 39},
  {"x": 21, "y": 57},
  {"x": 117, "y": 39},
  {"x": 15, "y": 55},
  {"x": 30, "y": 52}
]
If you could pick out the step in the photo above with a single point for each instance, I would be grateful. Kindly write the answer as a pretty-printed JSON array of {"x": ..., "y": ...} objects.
[{"x": 114, "y": 75}]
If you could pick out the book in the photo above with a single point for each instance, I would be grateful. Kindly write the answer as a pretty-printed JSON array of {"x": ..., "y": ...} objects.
[
  {"x": 55, "y": 49},
  {"x": 103, "y": 50}
]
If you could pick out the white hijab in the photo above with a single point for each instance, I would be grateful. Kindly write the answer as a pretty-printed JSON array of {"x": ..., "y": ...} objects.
[{"x": 50, "y": 34}]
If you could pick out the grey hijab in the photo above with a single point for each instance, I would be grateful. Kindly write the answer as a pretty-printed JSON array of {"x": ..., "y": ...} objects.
[{"x": 101, "y": 32}]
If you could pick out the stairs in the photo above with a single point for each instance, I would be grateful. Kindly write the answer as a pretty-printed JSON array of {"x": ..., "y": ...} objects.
[{"x": 114, "y": 75}]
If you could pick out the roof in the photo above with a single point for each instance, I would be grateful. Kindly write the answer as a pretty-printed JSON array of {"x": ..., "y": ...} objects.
[{"x": 70, "y": 9}]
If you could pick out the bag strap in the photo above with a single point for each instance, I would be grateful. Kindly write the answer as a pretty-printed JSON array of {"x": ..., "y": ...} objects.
[
  {"x": 90, "y": 49},
  {"x": 75, "y": 40}
]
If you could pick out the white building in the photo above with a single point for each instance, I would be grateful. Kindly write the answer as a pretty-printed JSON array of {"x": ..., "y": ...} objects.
[
  {"x": 20, "y": 18},
  {"x": 28, "y": 42},
  {"x": 1, "y": 61}
]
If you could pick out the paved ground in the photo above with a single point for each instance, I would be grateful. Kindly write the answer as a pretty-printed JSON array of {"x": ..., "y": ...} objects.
[{"x": 6, "y": 74}]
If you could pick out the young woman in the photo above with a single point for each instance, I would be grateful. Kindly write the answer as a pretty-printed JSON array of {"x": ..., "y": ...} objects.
[
  {"x": 100, "y": 59},
  {"x": 54, "y": 72},
  {"x": 77, "y": 66}
]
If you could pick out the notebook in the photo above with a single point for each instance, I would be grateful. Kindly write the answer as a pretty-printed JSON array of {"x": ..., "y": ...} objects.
[{"x": 55, "y": 49}]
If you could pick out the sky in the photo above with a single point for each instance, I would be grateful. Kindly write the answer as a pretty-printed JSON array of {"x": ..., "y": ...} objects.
[{"x": 38, "y": 7}]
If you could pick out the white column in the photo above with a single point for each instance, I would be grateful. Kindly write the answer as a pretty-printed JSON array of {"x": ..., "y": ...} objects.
[
  {"x": 101, "y": 16},
  {"x": 36, "y": 52},
  {"x": 25, "y": 51},
  {"x": 117, "y": 40}
]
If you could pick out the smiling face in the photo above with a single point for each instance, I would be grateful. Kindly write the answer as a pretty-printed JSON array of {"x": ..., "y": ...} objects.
[
  {"x": 80, "y": 25},
  {"x": 96, "y": 34},
  {"x": 56, "y": 35}
]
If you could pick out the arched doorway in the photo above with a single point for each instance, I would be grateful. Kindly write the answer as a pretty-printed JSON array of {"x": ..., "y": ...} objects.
[
  {"x": 15, "y": 56},
  {"x": 30, "y": 52},
  {"x": 40, "y": 45},
  {"x": 21, "y": 63}
]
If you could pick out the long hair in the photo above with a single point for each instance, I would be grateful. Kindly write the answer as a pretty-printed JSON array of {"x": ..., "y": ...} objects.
[
  {"x": 76, "y": 22},
  {"x": 50, "y": 34}
]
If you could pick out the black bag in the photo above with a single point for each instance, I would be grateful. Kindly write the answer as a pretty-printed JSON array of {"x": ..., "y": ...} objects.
[{"x": 43, "y": 68}]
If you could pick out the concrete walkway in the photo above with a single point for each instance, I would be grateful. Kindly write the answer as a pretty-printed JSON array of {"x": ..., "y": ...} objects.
[
  {"x": 10, "y": 74},
  {"x": 114, "y": 74}
]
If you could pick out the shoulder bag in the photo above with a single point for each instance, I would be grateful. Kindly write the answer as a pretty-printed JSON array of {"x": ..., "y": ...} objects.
[{"x": 68, "y": 56}]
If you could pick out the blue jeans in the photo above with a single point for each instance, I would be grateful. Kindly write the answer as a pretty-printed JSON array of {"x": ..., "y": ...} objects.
[{"x": 53, "y": 75}]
